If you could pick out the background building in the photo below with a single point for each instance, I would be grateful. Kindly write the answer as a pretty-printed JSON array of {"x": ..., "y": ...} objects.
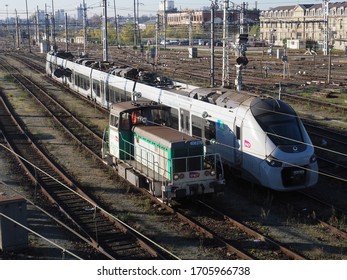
[{"x": 305, "y": 23}]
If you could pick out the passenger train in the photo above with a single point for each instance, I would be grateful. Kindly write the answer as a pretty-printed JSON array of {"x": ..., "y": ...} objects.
[{"x": 260, "y": 139}]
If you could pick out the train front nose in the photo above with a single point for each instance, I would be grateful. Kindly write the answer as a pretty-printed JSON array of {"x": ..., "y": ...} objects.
[{"x": 290, "y": 171}]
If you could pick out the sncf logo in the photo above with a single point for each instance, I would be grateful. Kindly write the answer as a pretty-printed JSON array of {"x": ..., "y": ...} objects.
[
  {"x": 247, "y": 144},
  {"x": 194, "y": 174}
]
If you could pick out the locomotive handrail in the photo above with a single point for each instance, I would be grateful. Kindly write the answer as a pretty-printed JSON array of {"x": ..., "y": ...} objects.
[{"x": 141, "y": 160}]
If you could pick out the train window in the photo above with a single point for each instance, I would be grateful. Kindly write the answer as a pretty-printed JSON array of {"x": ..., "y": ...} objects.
[
  {"x": 96, "y": 88},
  {"x": 114, "y": 120},
  {"x": 123, "y": 97},
  {"x": 238, "y": 133},
  {"x": 195, "y": 159},
  {"x": 210, "y": 130},
  {"x": 113, "y": 95},
  {"x": 174, "y": 118},
  {"x": 159, "y": 116},
  {"x": 82, "y": 82},
  {"x": 196, "y": 126},
  {"x": 282, "y": 130},
  {"x": 179, "y": 163},
  {"x": 134, "y": 117},
  {"x": 182, "y": 121}
]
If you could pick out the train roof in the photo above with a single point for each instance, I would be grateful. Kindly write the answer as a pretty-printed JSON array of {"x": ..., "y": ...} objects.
[
  {"x": 129, "y": 105},
  {"x": 165, "y": 136},
  {"x": 62, "y": 54},
  {"x": 220, "y": 96}
]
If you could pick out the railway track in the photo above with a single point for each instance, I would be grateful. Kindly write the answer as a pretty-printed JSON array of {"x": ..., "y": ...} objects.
[
  {"x": 231, "y": 248},
  {"x": 253, "y": 243},
  {"x": 200, "y": 226},
  {"x": 85, "y": 136},
  {"x": 233, "y": 251},
  {"x": 86, "y": 214},
  {"x": 110, "y": 236},
  {"x": 331, "y": 150},
  {"x": 178, "y": 56}
]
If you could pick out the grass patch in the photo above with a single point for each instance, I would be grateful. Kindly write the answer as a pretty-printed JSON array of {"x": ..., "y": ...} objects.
[{"x": 9, "y": 78}]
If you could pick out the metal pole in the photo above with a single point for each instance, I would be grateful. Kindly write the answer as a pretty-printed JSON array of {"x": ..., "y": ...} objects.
[
  {"x": 53, "y": 28},
  {"x": 17, "y": 30},
  {"x": 84, "y": 28},
  {"x": 242, "y": 18},
  {"x": 190, "y": 29},
  {"x": 213, "y": 7},
  {"x": 135, "y": 25},
  {"x": 325, "y": 8},
  {"x": 225, "y": 79},
  {"x": 28, "y": 26},
  {"x": 47, "y": 28},
  {"x": 104, "y": 39},
  {"x": 164, "y": 24},
  {"x": 66, "y": 34},
  {"x": 37, "y": 28},
  {"x": 156, "y": 40},
  {"x": 329, "y": 64},
  {"x": 115, "y": 21},
  {"x": 7, "y": 22},
  {"x": 118, "y": 39},
  {"x": 138, "y": 22}
]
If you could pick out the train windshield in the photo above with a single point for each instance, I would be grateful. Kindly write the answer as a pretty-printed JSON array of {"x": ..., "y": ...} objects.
[{"x": 278, "y": 120}]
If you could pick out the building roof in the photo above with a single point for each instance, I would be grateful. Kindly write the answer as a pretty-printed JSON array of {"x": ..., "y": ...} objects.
[{"x": 308, "y": 6}]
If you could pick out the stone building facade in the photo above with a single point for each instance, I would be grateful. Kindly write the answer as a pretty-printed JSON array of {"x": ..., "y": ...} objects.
[{"x": 304, "y": 23}]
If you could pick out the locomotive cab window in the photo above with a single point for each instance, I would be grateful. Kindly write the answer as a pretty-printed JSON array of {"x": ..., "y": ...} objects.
[
  {"x": 125, "y": 121},
  {"x": 114, "y": 120}
]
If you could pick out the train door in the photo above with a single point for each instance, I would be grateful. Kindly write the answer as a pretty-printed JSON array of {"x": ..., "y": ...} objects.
[
  {"x": 107, "y": 92},
  {"x": 185, "y": 121},
  {"x": 238, "y": 141},
  {"x": 102, "y": 93}
]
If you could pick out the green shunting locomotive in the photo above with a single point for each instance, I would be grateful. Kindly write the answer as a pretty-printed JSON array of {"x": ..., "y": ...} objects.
[{"x": 142, "y": 144}]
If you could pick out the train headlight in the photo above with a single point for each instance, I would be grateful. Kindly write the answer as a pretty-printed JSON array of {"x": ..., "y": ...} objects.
[
  {"x": 210, "y": 172},
  {"x": 313, "y": 158},
  {"x": 273, "y": 162},
  {"x": 178, "y": 176}
]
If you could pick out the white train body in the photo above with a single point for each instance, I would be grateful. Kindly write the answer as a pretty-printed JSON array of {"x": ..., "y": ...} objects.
[{"x": 262, "y": 139}]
